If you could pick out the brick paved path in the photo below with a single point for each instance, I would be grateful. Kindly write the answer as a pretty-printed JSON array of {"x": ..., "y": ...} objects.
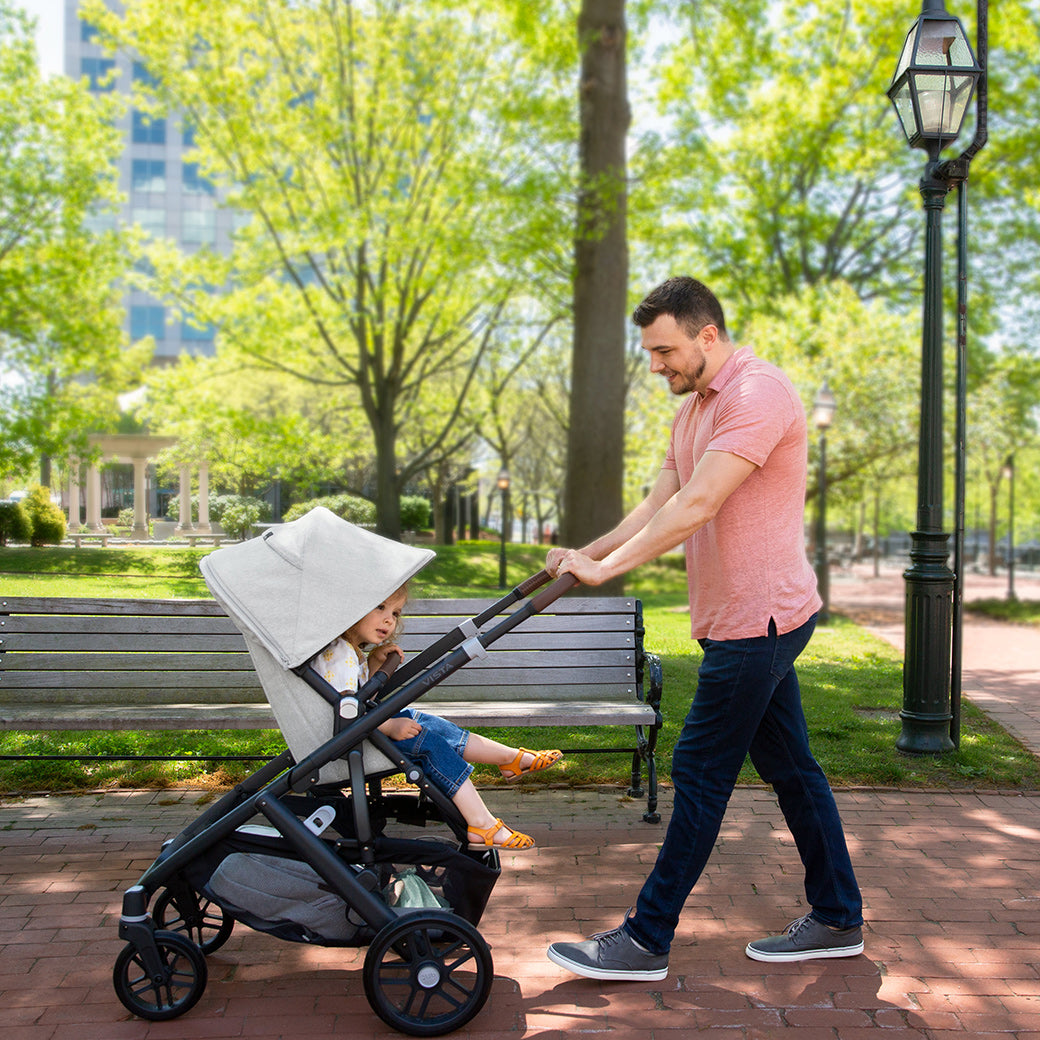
[{"x": 951, "y": 883}]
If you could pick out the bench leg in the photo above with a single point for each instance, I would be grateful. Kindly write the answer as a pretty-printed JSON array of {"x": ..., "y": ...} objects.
[{"x": 645, "y": 752}]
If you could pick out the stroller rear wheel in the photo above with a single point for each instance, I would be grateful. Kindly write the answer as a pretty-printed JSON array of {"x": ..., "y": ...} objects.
[
  {"x": 175, "y": 987},
  {"x": 428, "y": 973},
  {"x": 183, "y": 910}
]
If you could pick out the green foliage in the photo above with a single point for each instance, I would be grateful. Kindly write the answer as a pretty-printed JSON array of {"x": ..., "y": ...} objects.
[
  {"x": 238, "y": 518},
  {"x": 62, "y": 349},
  {"x": 125, "y": 517},
  {"x": 415, "y": 513},
  {"x": 396, "y": 209},
  {"x": 47, "y": 520},
  {"x": 357, "y": 510},
  {"x": 15, "y": 525}
]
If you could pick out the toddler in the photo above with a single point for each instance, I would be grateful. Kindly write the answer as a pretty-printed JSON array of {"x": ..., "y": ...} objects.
[{"x": 444, "y": 750}]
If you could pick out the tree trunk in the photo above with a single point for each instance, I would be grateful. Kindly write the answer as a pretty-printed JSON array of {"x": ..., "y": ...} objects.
[
  {"x": 388, "y": 494},
  {"x": 595, "y": 440}
]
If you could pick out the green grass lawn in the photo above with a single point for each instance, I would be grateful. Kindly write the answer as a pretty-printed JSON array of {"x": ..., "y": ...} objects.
[{"x": 851, "y": 685}]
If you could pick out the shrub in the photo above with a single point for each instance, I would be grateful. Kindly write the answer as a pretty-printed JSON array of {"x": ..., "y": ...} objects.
[
  {"x": 48, "y": 521},
  {"x": 126, "y": 517},
  {"x": 219, "y": 505},
  {"x": 238, "y": 518},
  {"x": 15, "y": 525},
  {"x": 416, "y": 514},
  {"x": 349, "y": 507}
]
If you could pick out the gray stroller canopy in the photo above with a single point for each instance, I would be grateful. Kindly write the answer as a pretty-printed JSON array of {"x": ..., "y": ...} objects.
[{"x": 301, "y": 584}]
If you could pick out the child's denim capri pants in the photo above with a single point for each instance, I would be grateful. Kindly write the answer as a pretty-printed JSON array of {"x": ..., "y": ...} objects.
[{"x": 438, "y": 749}]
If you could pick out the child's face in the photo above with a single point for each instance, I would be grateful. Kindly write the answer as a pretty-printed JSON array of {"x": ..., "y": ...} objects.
[{"x": 379, "y": 624}]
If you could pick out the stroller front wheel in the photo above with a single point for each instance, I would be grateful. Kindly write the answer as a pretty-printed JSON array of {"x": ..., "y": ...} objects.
[
  {"x": 173, "y": 989},
  {"x": 181, "y": 909},
  {"x": 428, "y": 973}
]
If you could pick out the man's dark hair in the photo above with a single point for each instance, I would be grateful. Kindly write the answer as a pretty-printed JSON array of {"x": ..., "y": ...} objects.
[{"x": 691, "y": 303}]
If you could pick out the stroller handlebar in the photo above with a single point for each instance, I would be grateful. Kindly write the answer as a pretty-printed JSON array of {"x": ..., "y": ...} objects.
[
  {"x": 389, "y": 665},
  {"x": 536, "y": 581},
  {"x": 561, "y": 585}
]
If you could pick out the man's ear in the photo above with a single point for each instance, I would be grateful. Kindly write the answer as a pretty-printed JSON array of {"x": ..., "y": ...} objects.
[{"x": 711, "y": 334}]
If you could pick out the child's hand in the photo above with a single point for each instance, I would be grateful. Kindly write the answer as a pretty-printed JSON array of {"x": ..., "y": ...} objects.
[
  {"x": 379, "y": 654},
  {"x": 401, "y": 728}
]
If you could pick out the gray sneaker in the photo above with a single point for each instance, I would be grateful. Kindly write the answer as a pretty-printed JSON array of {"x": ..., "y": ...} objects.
[
  {"x": 806, "y": 939},
  {"x": 610, "y": 955}
]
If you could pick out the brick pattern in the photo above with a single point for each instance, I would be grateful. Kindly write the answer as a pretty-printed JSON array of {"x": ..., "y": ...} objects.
[{"x": 951, "y": 884}]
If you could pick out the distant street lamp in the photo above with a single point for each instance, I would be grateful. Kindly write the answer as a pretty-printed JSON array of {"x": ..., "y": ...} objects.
[
  {"x": 932, "y": 88},
  {"x": 503, "y": 486},
  {"x": 824, "y": 407},
  {"x": 1009, "y": 473}
]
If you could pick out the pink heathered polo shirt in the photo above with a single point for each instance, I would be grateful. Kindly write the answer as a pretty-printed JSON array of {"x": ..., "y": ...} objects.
[{"x": 748, "y": 564}]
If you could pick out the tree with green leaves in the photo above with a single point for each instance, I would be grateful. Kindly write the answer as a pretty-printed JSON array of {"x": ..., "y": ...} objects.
[
  {"x": 400, "y": 169},
  {"x": 62, "y": 350}
]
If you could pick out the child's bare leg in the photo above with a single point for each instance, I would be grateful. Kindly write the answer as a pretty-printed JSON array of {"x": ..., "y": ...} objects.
[
  {"x": 489, "y": 752},
  {"x": 478, "y": 817},
  {"x": 512, "y": 761}
]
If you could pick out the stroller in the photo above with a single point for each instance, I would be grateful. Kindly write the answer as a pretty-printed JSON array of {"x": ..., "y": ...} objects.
[{"x": 300, "y": 849}]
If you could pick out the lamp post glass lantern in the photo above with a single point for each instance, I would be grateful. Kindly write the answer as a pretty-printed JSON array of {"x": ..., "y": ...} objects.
[
  {"x": 824, "y": 408},
  {"x": 503, "y": 486},
  {"x": 935, "y": 79},
  {"x": 934, "y": 83}
]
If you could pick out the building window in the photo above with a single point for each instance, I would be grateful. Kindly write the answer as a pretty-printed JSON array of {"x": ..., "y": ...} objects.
[
  {"x": 148, "y": 175},
  {"x": 194, "y": 182},
  {"x": 87, "y": 32},
  {"x": 193, "y": 334},
  {"x": 188, "y": 132},
  {"x": 199, "y": 227},
  {"x": 143, "y": 76},
  {"x": 151, "y": 220},
  {"x": 99, "y": 72},
  {"x": 147, "y": 130},
  {"x": 147, "y": 321}
]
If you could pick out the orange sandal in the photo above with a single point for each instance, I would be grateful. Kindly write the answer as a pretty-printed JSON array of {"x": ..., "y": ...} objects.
[
  {"x": 542, "y": 760},
  {"x": 516, "y": 840}
]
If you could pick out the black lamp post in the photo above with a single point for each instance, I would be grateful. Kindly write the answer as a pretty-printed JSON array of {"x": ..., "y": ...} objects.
[
  {"x": 1009, "y": 472},
  {"x": 933, "y": 85},
  {"x": 824, "y": 407},
  {"x": 503, "y": 486}
]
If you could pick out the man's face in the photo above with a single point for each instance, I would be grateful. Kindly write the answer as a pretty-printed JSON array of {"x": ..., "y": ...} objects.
[{"x": 673, "y": 355}]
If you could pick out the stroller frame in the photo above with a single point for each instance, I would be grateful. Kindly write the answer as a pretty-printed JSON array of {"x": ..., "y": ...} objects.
[{"x": 427, "y": 971}]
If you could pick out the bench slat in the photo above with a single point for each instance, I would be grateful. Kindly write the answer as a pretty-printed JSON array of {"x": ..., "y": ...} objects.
[{"x": 222, "y": 715}]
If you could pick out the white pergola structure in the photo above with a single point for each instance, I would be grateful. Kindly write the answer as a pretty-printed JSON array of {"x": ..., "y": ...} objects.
[{"x": 138, "y": 450}]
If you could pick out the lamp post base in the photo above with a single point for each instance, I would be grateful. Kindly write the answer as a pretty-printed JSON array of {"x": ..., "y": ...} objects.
[{"x": 926, "y": 711}]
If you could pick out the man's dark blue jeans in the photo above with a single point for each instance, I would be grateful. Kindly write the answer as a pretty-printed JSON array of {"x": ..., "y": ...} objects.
[{"x": 747, "y": 702}]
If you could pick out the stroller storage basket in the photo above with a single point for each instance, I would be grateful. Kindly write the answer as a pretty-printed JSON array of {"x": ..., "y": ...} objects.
[{"x": 258, "y": 880}]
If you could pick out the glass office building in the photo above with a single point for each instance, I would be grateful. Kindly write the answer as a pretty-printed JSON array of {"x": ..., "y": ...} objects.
[{"x": 165, "y": 195}]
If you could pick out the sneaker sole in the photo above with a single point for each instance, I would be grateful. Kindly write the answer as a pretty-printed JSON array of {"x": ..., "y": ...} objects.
[
  {"x": 608, "y": 974},
  {"x": 804, "y": 955}
]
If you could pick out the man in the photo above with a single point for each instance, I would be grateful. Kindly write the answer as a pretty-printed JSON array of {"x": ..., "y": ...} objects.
[{"x": 732, "y": 487}]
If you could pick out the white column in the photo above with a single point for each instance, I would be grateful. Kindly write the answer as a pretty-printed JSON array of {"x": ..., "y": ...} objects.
[
  {"x": 94, "y": 499},
  {"x": 140, "y": 530},
  {"x": 75, "y": 514},
  {"x": 184, "y": 523},
  {"x": 204, "y": 525}
]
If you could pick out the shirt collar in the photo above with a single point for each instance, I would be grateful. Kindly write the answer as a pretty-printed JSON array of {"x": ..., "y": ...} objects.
[{"x": 729, "y": 369}]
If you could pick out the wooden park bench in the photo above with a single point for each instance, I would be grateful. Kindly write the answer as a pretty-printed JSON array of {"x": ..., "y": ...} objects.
[{"x": 115, "y": 664}]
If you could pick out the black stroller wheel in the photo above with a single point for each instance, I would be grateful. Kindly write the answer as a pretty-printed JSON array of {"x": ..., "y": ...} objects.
[
  {"x": 200, "y": 919},
  {"x": 173, "y": 991},
  {"x": 428, "y": 973}
]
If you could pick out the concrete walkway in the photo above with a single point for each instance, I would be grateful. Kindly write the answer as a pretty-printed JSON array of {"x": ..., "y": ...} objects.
[{"x": 951, "y": 882}]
